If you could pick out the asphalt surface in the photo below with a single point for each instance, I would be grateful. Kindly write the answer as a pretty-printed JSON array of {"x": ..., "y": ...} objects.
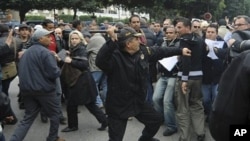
[{"x": 87, "y": 126}]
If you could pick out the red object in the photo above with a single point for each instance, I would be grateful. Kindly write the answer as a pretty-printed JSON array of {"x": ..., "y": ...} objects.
[
  {"x": 207, "y": 16},
  {"x": 52, "y": 46}
]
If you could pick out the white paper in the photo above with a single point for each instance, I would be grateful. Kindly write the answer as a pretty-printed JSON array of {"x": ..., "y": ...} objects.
[
  {"x": 211, "y": 44},
  {"x": 169, "y": 62},
  {"x": 211, "y": 53},
  {"x": 218, "y": 44}
]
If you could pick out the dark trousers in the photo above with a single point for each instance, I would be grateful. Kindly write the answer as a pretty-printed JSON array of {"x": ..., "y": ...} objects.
[
  {"x": 5, "y": 89},
  {"x": 148, "y": 116},
  {"x": 93, "y": 109},
  {"x": 33, "y": 105}
]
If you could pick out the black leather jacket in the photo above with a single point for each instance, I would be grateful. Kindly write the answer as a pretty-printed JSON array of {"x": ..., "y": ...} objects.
[{"x": 242, "y": 42}]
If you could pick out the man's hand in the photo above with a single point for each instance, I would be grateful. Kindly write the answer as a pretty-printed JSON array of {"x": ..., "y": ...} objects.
[
  {"x": 230, "y": 42},
  {"x": 111, "y": 32},
  {"x": 184, "y": 87},
  {"x": 20, "y": 54},
  {"x": 186, "y": 52},
  {"x": 9, "y": 38},
  {"x": 68, "y": 60}
]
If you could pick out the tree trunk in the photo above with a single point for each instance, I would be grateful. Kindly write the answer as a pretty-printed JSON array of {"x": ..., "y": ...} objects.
[
  {"x": 75, "y": 11},
  {"x": 22, "y": 13}
]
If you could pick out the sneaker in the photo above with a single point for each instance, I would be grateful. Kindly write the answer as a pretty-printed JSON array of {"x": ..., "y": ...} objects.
[
  {"x": 100, "y": 106},
  {"x": 103, "y": 127},
  {"x": 68, "y": 129},
  {"x": 169, "y": 132}
]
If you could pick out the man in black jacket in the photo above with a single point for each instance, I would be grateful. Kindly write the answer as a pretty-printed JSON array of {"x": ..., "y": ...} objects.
[
  {"x": 4, "y": 100},
  {"x": 231, "y": 105},
  {"x": 126, "y": 63},
  {"x": 190, "y": 111}
]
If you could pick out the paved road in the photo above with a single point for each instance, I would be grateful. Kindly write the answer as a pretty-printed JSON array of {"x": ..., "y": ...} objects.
[{"x": 87, "y": 126}]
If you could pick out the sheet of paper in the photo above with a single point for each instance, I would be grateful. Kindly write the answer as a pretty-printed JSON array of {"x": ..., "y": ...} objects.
[
  {"x": 211, "y": 44},
  {"x": 211, "y": 53},
  {"x": 218, "y": 44},
  {"x": 169, "y": 62}
]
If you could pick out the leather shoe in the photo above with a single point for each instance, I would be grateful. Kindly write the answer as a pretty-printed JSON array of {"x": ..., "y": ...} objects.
[
  {"x": 103, "y": 127},
  {"x": 169, "y": 132},
  {"x": 60, "y": 139},
  {"x": 44, "y": 119},
  {"x": 67, "y": 129},
  {"x": 142, "y": 138}
]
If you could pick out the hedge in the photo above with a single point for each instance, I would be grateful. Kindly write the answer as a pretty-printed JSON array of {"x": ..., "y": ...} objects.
[{"x": 88, "y": 18}]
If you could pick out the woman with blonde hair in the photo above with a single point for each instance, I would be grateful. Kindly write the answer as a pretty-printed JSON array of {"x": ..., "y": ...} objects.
[{"x": 80, "y": 86}]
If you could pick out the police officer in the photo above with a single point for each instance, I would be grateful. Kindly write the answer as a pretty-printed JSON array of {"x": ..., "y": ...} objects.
[{"x": 126, "y": 63}]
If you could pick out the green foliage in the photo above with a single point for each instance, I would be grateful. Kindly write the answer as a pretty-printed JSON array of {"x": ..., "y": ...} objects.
[
  {"x": 85, "y": 18},
  {"x": 158, "y": 9},
  {"x": 234, "y": 8},
  {"x": 102, "y": 19},
  {"x": 66, "y": 18},
  {"x": 35, "y": 17}
]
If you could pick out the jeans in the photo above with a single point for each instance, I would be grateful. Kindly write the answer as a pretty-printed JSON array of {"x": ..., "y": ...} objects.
[
  {"x": 2, "y": 138},
  {"x": 209, "y": 92},
  {"x": 163, "y": 100},
  {"x": 101, "y": 82}
]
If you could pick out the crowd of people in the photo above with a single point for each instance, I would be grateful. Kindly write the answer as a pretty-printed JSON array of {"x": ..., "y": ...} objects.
[{"x": 123, "y": 73}]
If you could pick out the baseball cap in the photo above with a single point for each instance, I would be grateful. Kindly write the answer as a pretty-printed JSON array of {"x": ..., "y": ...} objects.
[
  {"x": 38, "y": 27},
  {"x": 23, "y": 26},
  {"x": 127, "y": 32},
  {"x": 39, "y": 33}
]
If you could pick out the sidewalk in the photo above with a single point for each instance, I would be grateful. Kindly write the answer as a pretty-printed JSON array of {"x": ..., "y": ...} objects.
[{"x": 87, "y": 126}]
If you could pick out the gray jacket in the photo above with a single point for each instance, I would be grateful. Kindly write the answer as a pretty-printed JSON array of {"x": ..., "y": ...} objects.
[{"x": 95, "y": 44}]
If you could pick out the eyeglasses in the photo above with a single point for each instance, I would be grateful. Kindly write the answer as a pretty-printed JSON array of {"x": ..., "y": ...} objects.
[
  {"x": 197, "y": 27},
  {"x": 237, "y": 25}
]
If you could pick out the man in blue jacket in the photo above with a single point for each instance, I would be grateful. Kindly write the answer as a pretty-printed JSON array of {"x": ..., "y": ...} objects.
[{"x": 38, "y": 72}]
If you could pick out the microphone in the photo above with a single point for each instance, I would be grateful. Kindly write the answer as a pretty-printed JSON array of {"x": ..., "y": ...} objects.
[{"x": 102, "y": 31}]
